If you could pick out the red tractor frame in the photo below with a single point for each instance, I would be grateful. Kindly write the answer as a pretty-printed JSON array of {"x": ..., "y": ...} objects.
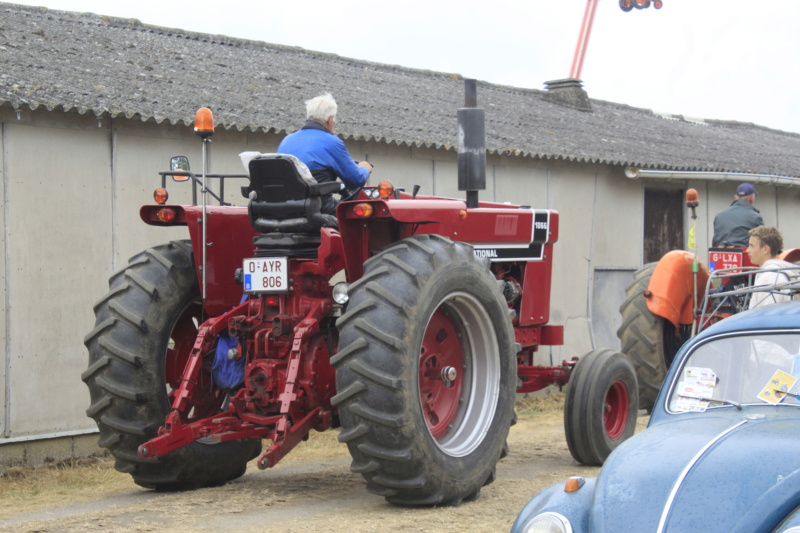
[{"x": 204, "y": 348}]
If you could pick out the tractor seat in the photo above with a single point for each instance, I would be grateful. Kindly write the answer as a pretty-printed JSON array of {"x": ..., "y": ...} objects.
[{"x": 284, "y": 196}]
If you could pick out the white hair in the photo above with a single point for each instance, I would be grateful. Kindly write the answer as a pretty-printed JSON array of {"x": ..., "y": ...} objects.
[{"x": 321, "y": 107}]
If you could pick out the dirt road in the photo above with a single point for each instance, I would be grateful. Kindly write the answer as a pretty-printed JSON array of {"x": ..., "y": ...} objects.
[{"x": 320, "y": 494}]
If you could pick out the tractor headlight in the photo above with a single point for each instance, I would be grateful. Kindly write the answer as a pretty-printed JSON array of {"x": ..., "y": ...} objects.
[
  {"x": 548, "y": 523},
  {"x": 340, "y": 294}
]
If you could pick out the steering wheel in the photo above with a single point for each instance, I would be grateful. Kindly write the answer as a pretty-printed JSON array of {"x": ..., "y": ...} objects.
[{"x": 349, "y": 194}]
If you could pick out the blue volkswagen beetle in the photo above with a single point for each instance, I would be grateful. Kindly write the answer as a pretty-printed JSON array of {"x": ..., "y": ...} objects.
[{"x": 721, "y": 451}]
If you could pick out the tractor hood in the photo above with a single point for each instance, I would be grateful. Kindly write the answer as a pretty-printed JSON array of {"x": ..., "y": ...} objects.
[{"x": 739, "y": 471}]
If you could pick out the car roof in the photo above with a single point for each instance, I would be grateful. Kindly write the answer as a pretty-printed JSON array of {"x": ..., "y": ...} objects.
[{"x": 785, "y": 315}]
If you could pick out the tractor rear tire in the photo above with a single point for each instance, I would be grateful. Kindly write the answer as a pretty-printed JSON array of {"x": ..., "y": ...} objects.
[
  {"x": 426, "y": 373},
  {"x": 648, "y": 340},
  {"x": 145, "y": 327},
  {"x": 600, "y": 406}
]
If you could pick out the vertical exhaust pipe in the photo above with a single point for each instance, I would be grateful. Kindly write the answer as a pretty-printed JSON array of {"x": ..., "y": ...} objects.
[{"x": 471, "y": 145}]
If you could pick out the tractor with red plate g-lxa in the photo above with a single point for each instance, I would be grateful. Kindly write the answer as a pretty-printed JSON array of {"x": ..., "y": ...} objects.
[{"x": 671, "y": 300}]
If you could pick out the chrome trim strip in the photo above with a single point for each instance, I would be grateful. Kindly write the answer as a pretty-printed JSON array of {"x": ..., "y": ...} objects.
[{"x": 671, "y": 499}]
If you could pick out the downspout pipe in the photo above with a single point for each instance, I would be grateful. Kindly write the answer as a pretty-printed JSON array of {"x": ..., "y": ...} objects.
[{"x": 766, "y": 179}]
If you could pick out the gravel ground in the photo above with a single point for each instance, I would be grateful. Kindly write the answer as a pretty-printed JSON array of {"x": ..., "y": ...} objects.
[{"x": 317, "y": 493}]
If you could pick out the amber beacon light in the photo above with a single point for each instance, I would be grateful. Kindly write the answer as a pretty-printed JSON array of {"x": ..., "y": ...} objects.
[
  {"x": 692, "y": 198},
  {"x": 204, "y": 122}
]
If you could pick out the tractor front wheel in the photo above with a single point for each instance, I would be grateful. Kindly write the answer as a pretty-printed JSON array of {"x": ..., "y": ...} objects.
[
  {"x": 601, "y": 405},
  {"x": 145, "y": 328},
  {"x": 426, "y": 373}
]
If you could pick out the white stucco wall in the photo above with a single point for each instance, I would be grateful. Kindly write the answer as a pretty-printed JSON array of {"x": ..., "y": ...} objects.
[{"x": 57, "y": 224}]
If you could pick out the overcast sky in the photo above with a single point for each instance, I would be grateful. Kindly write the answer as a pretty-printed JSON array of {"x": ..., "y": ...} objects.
[{"x": 720, "y": 59}]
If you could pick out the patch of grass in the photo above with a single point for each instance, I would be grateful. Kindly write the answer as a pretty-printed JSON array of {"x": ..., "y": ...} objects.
[
  {"x": 320, "y": 445},
  {"x": 25, "y": 490},
  {"x": 550, "y": 403}
]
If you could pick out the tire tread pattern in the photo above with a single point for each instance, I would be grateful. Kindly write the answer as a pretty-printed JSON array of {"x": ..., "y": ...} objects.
[
  {"x": 375, "y": 368},
  {"x": 125, "y": 375},
  {"x": 584, "y": 405},
  {"x": 641, "y": 338}
]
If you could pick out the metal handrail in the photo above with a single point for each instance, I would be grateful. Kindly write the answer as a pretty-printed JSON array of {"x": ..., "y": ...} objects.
[
  {"x": 716, "y": 300},
  {"x": 198, "y": 181}
]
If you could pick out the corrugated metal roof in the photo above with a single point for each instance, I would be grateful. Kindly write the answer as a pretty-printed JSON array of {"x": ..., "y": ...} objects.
[{"x": 120, "y": 67}]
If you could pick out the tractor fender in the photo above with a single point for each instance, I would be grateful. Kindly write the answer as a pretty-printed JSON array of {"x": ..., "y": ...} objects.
[
  {"x": 425, "y": 211},
  {"x": 670, "y": 293},
  {"x": 230, "y": 238},
  {"x": 791, "y": 255}
]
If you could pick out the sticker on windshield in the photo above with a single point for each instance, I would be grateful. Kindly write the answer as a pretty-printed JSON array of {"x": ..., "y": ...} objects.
[
  {"x": 779, "y": 384},
  {"x": 697, "y": 382},
  {"x": 690, "y": 405},
  {"x": 695, "y": 389}
]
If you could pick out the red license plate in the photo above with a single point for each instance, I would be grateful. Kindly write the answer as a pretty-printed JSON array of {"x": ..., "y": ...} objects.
[{"x": 719, "y": 259}]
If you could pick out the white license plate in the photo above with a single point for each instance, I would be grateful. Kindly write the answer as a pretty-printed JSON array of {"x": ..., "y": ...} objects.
[{"x": 266, "y": 274}]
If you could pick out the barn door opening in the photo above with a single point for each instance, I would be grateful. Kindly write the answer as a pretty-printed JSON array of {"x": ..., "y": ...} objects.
[{"x": 663, "y": 222}]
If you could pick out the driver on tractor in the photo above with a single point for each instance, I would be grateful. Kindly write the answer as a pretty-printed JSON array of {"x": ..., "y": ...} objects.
[
  {"x": 732, "y": 223},
  {"x": 324, "y": 153}
]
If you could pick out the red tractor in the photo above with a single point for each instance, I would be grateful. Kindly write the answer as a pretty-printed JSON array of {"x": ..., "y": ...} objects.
[
  {"x": 203, "y": 348},
  {"x": 676, "y": 297}
]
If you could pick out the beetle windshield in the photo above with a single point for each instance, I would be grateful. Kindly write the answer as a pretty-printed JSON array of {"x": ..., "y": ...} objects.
[{"x": 742, "y": 369}]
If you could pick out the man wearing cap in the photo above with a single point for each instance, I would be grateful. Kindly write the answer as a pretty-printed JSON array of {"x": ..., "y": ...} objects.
[{"x": 732, "y": 224}]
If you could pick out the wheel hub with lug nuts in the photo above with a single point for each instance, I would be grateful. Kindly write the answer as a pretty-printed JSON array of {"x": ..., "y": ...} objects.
[{"x": 449, "y": 373}]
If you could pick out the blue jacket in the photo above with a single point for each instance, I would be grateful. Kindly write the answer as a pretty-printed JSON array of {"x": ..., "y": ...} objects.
[
  {"x": 732, "y": 224},
  {"x": 326, "y": 157}
]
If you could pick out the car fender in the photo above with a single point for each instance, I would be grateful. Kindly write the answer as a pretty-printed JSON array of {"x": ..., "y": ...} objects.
[
  {"x": 769, "y": 510},
  {"x": 574, "y": 506},
  {"x": 791, "y": 520}
]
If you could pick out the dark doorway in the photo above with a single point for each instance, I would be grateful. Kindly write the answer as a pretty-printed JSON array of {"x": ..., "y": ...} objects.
[{"x": 663, "y": 222}]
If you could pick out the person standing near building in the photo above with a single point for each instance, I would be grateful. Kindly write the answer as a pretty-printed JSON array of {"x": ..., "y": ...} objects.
[
  {"x": 324, "y": 153},
  {"x": 732, "y": 224},
  {"x": 765, "y": 244}
]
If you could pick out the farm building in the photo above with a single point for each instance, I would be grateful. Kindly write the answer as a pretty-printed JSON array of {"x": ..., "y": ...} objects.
[{"x": 91, "y": 108}]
